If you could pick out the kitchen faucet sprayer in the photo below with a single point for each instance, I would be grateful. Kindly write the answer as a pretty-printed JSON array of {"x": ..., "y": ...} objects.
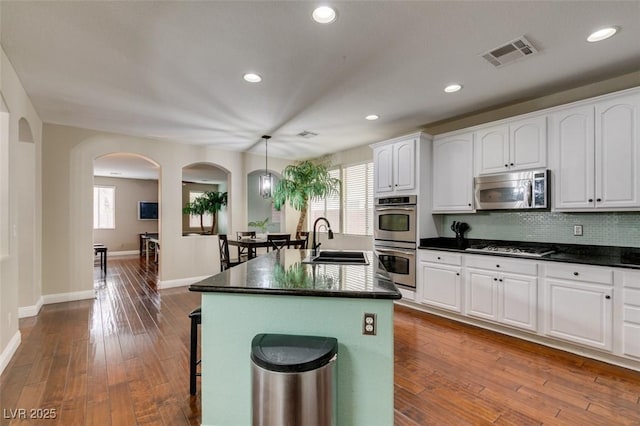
[{"x": 314, "y": 246}]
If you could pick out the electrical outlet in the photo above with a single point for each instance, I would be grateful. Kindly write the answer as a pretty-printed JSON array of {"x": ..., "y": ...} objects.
[
  {"x": 369, "y": 324},
  {"x": 577, "y": 230}
]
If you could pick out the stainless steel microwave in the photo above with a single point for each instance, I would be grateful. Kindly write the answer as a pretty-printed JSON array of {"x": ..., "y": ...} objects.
[{"x": 513, "y": 191}]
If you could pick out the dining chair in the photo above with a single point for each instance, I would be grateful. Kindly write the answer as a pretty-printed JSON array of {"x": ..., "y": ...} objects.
[
  {"x": 225, "y": 261},
  {"x": 246, "y": 253},
  {"x": 278, "y": 241},
  {"x": 304, "y": 237}
]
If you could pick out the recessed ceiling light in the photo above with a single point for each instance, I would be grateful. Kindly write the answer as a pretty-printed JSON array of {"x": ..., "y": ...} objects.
[
  {"x": 252, "y": 77},
  {"x": 453, "y": 87},
  {"x": 324, "y": 15},
  {"x": 602, "y": 34},
  {"x": 372, "y": 117}
]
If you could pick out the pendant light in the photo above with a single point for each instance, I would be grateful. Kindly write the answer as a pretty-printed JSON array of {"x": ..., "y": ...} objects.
[{"x": 266, "y": 180}]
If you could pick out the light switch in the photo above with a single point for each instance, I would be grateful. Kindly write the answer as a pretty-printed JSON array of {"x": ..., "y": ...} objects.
[{"x": 577, "y": 230}]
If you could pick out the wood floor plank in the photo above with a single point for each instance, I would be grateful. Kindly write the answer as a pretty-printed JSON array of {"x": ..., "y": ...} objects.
[{"x": 122, "y": 359}]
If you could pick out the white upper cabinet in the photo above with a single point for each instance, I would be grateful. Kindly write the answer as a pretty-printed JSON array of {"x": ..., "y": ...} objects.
[
  {"x": 404, "y": 162},
  {"x": 453, "y": 174},
  {"x": 573, "y": 152},
  {"x": 395, "y": 167},
  {"x": 596, "y": 155},
  {"x": 517, "y": 145},
  {"x": 618, "y": 152},
  {"x": 383, "y": 161}
]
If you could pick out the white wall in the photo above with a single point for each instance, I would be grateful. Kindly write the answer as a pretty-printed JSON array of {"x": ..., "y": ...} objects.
[
  {"x": 68, "y": 175},
  {"x": 20, "y": 217}
]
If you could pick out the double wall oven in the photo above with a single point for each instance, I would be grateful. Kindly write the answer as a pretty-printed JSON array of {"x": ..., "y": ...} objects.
[{"x": 395, "y": 235}]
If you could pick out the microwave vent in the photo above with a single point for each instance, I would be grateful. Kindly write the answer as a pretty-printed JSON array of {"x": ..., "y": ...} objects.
[{"x": 510, "y": 52}]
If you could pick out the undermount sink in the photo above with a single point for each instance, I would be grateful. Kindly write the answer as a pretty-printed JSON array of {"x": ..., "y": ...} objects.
[{"x": 338, "y": 257}]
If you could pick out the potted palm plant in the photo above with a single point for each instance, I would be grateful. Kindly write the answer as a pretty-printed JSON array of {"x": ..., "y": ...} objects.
[
  {"x": 209, "y": 202},
  {"x": 303, "y": 182}
]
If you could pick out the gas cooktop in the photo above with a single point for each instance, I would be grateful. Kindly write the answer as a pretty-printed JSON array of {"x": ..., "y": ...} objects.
[{"x": 513, "y": 250}]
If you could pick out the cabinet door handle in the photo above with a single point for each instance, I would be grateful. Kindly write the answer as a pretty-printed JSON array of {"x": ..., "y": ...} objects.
[
  {"x": 497, "y": 266},
  {"x": 506, "y": 165},
  {"x": 576, "y": 274},
  {"x": 511, "y": 164},
  {"x": 469, "y": 204},
  {"x": 598, "y": 199},
  {"x": 500, "y": 280},
  {"x": 438, "y": 257},
  {"x": 495, "y": 279},
  {"x": 591, "y": 200},
  {"x": 607, "y": 297},
  {"x": 458, "y": 273}
]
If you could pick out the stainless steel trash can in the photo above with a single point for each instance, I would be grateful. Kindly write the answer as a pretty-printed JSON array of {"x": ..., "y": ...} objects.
[{"x": 293, "y": 380}]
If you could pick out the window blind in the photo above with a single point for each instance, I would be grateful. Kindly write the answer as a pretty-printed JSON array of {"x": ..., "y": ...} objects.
[
  {"x": 358, "y": 199},
  {"x": 328, "y": 207}
]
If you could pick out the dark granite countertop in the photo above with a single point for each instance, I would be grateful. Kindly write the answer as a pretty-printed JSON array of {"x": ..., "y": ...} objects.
[
  {"x": 283, "y": 273},
  {"x": 620, "y": 257}
]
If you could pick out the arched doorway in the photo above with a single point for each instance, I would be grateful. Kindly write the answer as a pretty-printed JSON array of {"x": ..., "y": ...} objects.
[
  {"x": 29, "y": 284},
  {"x": 197, "y": 180},
  {"x": 126, "y": 199}
]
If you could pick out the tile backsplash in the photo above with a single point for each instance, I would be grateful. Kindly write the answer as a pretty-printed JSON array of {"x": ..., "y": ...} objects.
[{"x": 607, "y": 229}]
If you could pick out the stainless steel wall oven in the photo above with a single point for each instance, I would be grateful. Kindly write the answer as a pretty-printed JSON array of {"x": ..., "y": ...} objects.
[
  {"x": 395, "y": 234},
  {"x": 395, "y": 219},
  {"x": 399, "y": 261}
]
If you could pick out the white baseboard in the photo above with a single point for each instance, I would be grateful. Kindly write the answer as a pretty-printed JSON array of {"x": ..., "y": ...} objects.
[
  {"x": 31, "y": 311},
  {"x": 68, "y": 297},
  {"x": 10, "y": 350},
  {"x": 124, "y": 253},
  {"x": 180, "y": 282}
]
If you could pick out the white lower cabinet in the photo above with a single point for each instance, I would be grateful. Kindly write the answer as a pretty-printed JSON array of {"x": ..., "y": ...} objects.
[
  {"x": 573, "y": 303},
  {"x": 631, "y": 314},
  {"x": 509, "y": 298},
  {"x": 439, "y": 280},
  {"x": 579, "y": 305}
]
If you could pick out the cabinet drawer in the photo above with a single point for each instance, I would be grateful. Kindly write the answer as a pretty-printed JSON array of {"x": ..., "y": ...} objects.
[
  {"x": 631, "y": 314},
  {"x": 502, "y": 264},
  {"x": 580, "y": 273},
  {"x": 631, "y": 279},
  {"x": 631, "y": 340},
  {"x": 444, "y": 257},
  {"x": 631, "y": 297}
]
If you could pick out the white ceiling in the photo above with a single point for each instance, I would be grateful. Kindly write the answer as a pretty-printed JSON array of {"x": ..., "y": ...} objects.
[{"x": 173, "y": 70}]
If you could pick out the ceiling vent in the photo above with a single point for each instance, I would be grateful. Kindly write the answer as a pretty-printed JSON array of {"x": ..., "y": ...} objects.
[
  {"x": 512, "y": 51},
  {"x": 307, "y": 134}
]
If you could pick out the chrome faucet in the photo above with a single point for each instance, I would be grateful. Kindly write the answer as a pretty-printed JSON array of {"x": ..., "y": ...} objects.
[{"x": 314, "y": 246}]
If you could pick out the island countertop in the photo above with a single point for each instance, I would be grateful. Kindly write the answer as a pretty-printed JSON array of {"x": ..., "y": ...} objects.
[{"x": 283, "y": 273}]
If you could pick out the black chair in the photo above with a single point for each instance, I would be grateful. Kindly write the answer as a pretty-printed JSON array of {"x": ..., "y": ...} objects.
[
  {"x": 278, "y": 241},
  {"x": 246, "y": 253},
  {"x": 225, "y": 261},
  {"x": 196, "y": 320},
  {"x": 304, "y": 236}
]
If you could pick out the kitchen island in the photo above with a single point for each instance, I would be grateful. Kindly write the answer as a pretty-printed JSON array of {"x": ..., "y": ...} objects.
[{"x": 278, "y": 293}]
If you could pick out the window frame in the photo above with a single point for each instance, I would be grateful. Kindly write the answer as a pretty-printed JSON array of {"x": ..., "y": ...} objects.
[
  {"x": 194, "y": 219},
  {"x": 96, "y": 203},
  {"x": 340, "y": 229}
]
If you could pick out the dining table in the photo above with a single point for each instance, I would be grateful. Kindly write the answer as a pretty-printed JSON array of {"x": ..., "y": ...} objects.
[{"x": 252, "y": 244}]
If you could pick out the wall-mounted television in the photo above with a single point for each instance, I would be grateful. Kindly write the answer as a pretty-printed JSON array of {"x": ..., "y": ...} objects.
[{"x": 147, "y": 210}]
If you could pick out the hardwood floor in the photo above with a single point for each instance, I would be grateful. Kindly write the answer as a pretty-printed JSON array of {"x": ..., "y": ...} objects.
[{"x": 122, "y": 359}]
